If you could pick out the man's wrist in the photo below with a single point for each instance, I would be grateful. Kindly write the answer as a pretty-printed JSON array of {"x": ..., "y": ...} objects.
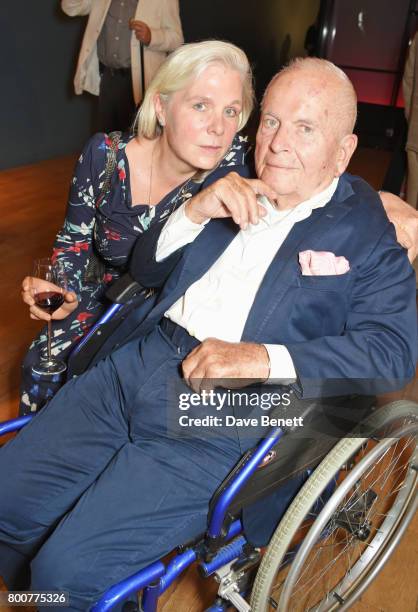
[
  {"x": 281, "y": 365},
  {"x": 266, "y": 376},
  {"x": 193, "y": 215}
]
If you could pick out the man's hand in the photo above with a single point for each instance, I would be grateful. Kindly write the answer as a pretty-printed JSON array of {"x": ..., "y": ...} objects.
[
  {"x": 142, "y": 31},
  {"x": 32, "y": 285},
  {"x": 231, "y": 196},
  {"x": 405, "y": 220},
  {"x": 216, "y": 363}
]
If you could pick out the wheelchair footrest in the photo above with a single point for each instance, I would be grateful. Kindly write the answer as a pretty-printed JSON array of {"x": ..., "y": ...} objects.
[{"x": 227, "y": 554}]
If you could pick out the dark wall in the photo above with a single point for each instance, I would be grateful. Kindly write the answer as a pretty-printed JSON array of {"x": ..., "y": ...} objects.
[
  {"x": 40, "y": 115},
  {"x": 270, "y": 31},
  {"x": 219, "y": 19}
]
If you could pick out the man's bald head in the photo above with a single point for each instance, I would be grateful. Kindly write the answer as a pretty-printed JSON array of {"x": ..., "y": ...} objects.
[
  {"x": 305, "y": 138},
  {"x": 333, "y": 81}
]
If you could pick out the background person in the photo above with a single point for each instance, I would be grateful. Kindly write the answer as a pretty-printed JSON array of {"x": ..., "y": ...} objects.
[
  {"x": 109, "y": 64},
  {"x": 118, "y": 482},
  {"x": 191, "y": 113},
  {"x": 410, "y": 93}
]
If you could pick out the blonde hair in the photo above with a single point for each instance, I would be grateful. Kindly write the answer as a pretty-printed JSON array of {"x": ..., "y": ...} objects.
[
  {"x": 346, "y": 97},
  {"x": 187, "y": 63}
]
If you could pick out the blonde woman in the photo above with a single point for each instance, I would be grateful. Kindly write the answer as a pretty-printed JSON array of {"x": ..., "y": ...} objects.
[{"x": 195, "y": 105}]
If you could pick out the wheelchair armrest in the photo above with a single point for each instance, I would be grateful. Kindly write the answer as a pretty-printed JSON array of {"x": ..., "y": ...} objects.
[
  {"x": 122, "y": 290},
  {"x": 15, "y": 424}
]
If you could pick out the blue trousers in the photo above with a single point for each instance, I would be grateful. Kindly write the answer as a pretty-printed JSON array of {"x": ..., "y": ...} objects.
[{"x": 96, "y": 486}]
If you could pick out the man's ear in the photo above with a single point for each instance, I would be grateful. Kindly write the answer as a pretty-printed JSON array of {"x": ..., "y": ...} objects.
[{"x": 347, "y": 146}]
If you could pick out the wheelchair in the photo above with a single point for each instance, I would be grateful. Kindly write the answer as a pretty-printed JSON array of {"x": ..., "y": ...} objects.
[{"x": 357, "y": 500}]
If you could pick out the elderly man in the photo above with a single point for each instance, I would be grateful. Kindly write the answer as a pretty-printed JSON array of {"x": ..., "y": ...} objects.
[{"x": 308, "y": 286}]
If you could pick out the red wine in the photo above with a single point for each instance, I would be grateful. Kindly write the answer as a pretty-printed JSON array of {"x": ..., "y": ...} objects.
[{"x": 49, "y": 301}]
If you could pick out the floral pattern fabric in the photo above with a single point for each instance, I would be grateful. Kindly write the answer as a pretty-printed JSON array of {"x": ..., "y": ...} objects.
[{"x": 111, "y": 230}]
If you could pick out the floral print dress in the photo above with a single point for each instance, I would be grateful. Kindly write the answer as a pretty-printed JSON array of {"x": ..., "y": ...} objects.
[{"x": 110, "y": 229}]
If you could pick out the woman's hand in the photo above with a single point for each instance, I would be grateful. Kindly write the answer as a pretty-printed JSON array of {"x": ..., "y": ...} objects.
[
  {"x": 405, "y": 220},
  {"x": 32, "y": 285},
  {"x": 230, "y": 196}
]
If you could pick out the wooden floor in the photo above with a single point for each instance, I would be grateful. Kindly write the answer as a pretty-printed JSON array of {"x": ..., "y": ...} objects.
[{"x": 32, "y": 207}]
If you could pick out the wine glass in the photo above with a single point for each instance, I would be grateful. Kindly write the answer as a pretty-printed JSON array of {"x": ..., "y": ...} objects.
[{"x": 49, "y": 296}]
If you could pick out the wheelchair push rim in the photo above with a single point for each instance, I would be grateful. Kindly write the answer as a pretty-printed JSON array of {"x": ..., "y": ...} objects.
[{"x": 357, "y": 529}]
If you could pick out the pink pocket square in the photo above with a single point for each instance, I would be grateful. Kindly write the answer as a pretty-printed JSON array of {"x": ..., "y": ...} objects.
[{"x": 322, "y": 263}]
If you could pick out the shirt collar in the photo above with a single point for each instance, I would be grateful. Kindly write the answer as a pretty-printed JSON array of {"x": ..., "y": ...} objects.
[{"x": 302, "y": 210}]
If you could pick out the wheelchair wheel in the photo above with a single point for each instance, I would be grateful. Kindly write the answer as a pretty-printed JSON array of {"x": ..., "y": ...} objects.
[{"x": 324, "y": 562}]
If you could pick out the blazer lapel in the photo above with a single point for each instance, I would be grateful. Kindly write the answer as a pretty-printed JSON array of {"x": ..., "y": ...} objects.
[
  {"x": 200, "y": 256},
  {"x": 304, "y": 234},
  {"x": 207, "y": 248}
]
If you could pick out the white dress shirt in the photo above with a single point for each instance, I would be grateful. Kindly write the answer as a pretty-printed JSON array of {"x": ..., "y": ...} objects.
[{"x": 218, "y": 304}]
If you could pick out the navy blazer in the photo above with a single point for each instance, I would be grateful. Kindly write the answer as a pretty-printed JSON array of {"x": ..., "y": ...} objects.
[
  {"x": 350, "y": 333},
  {"x": 355, "y": 332}
]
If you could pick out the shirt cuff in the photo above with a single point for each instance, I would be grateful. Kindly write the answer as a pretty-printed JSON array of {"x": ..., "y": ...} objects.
[
  {"x": 282, "y": 369},
  {"x": 177, "y": 232}
]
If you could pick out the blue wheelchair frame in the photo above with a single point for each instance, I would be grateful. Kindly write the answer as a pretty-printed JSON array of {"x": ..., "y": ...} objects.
[
  {"x": 156, "y": 578},
  {"x": 223, "y": 550},
  {"x": 122, "y": 292},
  {"x": 107, "y": 316},
  {"x": 219, "y": 546}
]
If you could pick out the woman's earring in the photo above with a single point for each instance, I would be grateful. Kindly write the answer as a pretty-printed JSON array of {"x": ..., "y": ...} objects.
[{"x": 161, "y": 121}]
